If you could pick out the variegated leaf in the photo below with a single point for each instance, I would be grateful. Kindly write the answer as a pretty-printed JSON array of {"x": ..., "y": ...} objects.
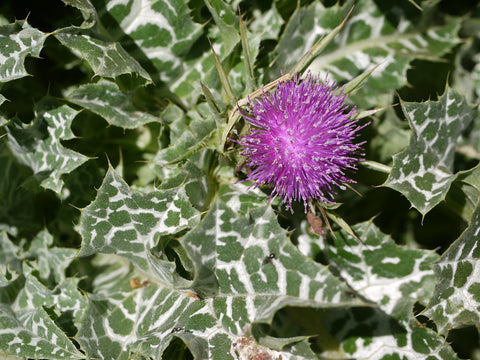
[
  {"x": 10, "y": 261},
  {"x": 107, "y": 59},
  {"x": 368, "y": 333},
  {"x": 107, "y": 100},
  {"x": 187, "y": 133},
  {"x": 51, "y": 261},
  {"x": 247, "y": 260},
  {"x": 39, "y": 146},
  {"x": 197, "y": 184},
  {"x": 17, "y": 41},
  {"x": 392, "y": 276},
  {"x": 456, "y": 301},
  {"x": 34, "y": 334},
  {"x": 144, "y": 320},
  {"x": 268, "y": 25},
  {"x": 233, "y": 262},
  {"x": 34, "y": 295},
  {"x": 28, "y": 329},
  {"x": 87, "y": 9},
  {"x": 128, "y": 223},
  {"x": 3, "y": 120},
  {"x": 157, "y": 33},
  {"x": 464, "y": 194},
  {"x": 424, "y": 171},
  {"x": 369, "y": 38},
  {"x": 227, "y": 24}
]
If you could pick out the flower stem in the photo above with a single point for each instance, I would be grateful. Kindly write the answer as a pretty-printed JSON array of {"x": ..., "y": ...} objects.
[{"x": 373, "y": 165}]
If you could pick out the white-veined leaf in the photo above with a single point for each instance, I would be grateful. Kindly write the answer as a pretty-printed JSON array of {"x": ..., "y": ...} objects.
[
  {"x": 107, "y": 59},
  {"x": 233, "y": 264},
  {"x": 368, "y": 39},
  {"x": 456, "y": 301},
  {"x": 423, "y": 172},
  {"x": 39, "y": 146},
  {"x": 17, "y": 41},
  {"x": 28, "y": 329},
  {"x": 391, "y": 277},
  {"x": 128, "y": 223},
  {"x": 107, "y": 100}
]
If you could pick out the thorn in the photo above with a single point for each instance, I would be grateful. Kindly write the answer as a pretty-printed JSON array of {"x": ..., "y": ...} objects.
[
  {"x": 353, "y": 189},
  {"x": 325, "y": 218}
]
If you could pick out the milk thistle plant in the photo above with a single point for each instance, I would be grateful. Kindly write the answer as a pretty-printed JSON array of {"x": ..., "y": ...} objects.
[
  {"x": 301, "y": 140},
  {"x": 163, "y": 164}
]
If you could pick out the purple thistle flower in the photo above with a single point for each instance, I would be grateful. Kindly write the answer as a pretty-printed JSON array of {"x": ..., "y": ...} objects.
[{"x": 301, "y": 140}]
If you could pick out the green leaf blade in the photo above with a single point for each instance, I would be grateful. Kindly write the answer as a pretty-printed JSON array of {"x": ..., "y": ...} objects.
[
  {"x": 106, "y": 59},
  {"x": 188, "y": 133},
  {"x": 27, "y": 318},
  {"x": 424, "y": 171},
  {"x": 34, "y": 334},
  {"x": 388, "y": 42},
  {"x": 17, "y": 41},
  {"x": 39, "y": 146},
  {"x": 158, "y": 34},
  {"x": 456, "y": 301},
  {"x": 255, "y": 270},
  {"x": 126, "y": 222},
  {"x": 107, "y": 100}
]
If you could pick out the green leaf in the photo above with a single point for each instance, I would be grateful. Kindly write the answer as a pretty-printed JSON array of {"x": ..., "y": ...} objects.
[
  {"x": 197, "y": 185},
  {"x": 30, "y": 330},
  {"x": 3, "y": 120},
  {"x": 39, "y": 146},
  {"x": 268, "y": 25},
  {"x": 17, "y": 41},
  {"x": 18, "y": 210},
  {"x": 188, "y": 133},
  {"x": 107, "y": 59},
  {"x": 229, "y": 249},
  {"x": 227, "y": 24},
  {"x": 456, "y": 301},
  {"x": 424, "y": 171},
  {"x": 304, "y": 28},
  {"x": 249, "y": 258},
  {"x": 10, "y": 357},
  {"x": 86, "y": 8},
  {"x": 248, "y": 60},
  {"x": 51, "y": 261},
  {"x": 464, "y": 194},
  {"x": 142, "y": 321},
  {"x": 115, "y": 106},
  {"x": 34, "y": 334},
  {"x": 387, "y": 274},
  {"x": 316, "y": 49},
  {"x": 125, "y": 222},
  {"x": 25, "y": 303},
  {"x": 159, "y": 34},
  {"x": 223, "y": 77},
  {"x": 35, "y": 296},
  {"x": 368, "y": 333},
  {"x": 10, "y": 262},
  {"x": 391, "y": 136},
  {"x": 368, "y": 39},
  {"x": 240, "y": 75},
  {"x": 393, "y": 278}
]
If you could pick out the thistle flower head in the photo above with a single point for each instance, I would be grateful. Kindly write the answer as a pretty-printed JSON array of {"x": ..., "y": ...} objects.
[{"x": 301, "y": 140}]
